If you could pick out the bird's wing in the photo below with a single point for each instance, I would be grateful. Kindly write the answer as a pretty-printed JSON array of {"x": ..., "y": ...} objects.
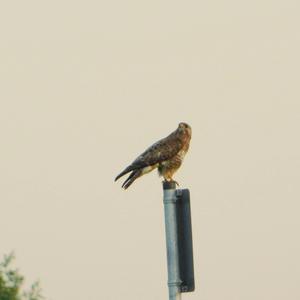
[
  {"x": 162, "y": 150},
  {"x": 158, "y": 152}
]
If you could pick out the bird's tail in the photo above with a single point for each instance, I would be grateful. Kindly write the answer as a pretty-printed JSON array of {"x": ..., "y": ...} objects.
[
  {"x": 127, "y": 170},
  {"x": 132, "y": 177}
]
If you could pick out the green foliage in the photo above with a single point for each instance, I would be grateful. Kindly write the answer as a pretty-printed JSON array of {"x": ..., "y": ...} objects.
[{"x": 11, "y": 282}]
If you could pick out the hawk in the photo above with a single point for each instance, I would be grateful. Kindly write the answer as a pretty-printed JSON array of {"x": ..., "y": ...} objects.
[{"x": 166, "y": 155}]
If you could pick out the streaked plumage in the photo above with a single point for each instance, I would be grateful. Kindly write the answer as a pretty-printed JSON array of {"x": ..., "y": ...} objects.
[{"x": 166, "y": 155}]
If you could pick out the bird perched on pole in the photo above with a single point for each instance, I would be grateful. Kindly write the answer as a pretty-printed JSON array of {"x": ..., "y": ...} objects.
[{"x": 166, "y": 155}]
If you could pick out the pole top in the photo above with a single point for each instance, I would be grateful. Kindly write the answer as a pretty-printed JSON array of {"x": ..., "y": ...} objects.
[{"x": 169, "y": 185}]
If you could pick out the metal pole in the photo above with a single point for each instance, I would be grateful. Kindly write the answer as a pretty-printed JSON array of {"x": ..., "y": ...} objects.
[{"x": 174, "y": 281}]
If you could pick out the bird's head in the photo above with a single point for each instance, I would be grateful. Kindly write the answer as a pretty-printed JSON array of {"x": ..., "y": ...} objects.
[{"x": 185, "y": 128}]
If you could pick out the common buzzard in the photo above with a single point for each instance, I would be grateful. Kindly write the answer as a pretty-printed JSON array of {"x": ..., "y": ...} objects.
[{"x": 166, "y": 155}]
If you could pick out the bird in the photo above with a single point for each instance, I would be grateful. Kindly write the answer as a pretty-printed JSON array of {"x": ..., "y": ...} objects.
[{"x": 166, "y": 155}]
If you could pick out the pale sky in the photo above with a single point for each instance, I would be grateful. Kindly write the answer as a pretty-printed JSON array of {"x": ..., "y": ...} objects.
[{"x": 86, "y": 86}]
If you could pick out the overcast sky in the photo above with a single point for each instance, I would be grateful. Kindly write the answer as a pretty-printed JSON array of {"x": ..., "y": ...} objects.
[{"x": 86, "y": 86}]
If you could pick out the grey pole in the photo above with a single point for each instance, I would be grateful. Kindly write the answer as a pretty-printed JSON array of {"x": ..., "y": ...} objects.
[{"x": 174, "y": 281}]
